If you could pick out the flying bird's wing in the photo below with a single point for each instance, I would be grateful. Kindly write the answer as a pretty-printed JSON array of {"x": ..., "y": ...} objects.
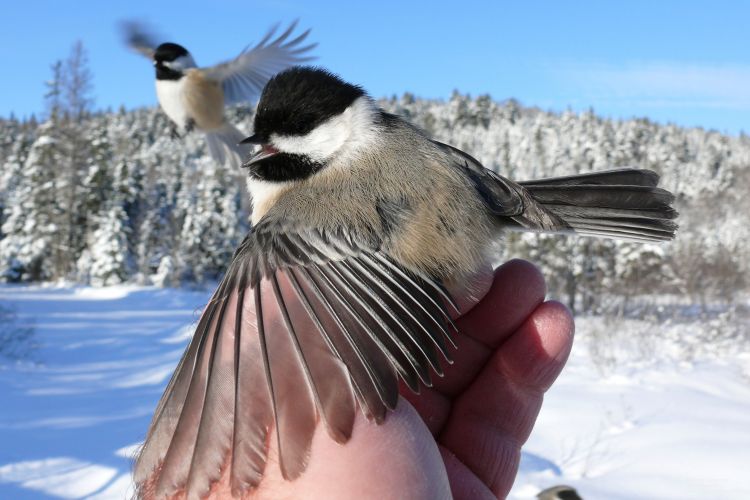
[
  {"x": 243, "y": 78},
  {"x": 304, "y": 324},
  {"x": 139, "y": 38}
]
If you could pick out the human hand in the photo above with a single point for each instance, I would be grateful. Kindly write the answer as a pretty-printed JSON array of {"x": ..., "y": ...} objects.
[{"x": 464, "y": 435}]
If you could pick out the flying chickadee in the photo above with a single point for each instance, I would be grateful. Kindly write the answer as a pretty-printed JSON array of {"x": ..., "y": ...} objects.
[
  {"x": 194, "y": 97},
  {"x": 338, "y": 290}
]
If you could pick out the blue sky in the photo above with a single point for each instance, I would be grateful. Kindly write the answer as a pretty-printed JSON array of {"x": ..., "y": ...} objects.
[{"x": 685, "y": 62}]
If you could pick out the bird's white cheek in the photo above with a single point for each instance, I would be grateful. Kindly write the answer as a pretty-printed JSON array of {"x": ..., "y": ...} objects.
[
  {"x": 319, "y": 145},
  {"x": 181, "y": 63},
  {"x": 342, "y": 135}
]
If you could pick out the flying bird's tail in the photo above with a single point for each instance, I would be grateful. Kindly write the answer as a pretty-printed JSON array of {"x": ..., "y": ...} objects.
[
  {"x": 224, "y": 145},
  {"x": 621, "y": 203}
]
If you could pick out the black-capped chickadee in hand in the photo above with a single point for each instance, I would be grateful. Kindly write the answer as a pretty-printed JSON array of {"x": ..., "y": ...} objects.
[
  {"x": 194, "y": 97},
  {"x": 338, "y": 290}
]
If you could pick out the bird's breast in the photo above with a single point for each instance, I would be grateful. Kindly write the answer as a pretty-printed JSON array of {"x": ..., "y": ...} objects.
[{"x": 169, "y": 93}]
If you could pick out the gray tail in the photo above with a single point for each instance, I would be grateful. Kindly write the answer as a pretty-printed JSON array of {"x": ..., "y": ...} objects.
[
  {"x": 622, "y": 204},
  {"x": 224, "y": 145}
]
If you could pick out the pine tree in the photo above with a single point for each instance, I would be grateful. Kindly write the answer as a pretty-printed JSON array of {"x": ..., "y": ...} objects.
[
  {"x": 211, "y": 226},
  {"x": 53, "y": 98},
  {"x": 107, "y": 252},
  {"x": 31, "y": 249},
  {"x": 77, "y": 84},
  {"x": 154, "y": 248}
]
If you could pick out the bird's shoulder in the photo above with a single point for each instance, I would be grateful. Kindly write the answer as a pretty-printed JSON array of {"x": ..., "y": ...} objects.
[
  {"x": 283, "y": 241},
  {"x": 500, "y": 195}
]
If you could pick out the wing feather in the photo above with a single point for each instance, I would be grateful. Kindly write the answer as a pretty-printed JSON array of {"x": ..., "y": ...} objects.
[
  {"x": 139, "y": 38},
  {"x": 253, "y": 414},
  {"x": 341, "y": 335},
  {"x": 175, "y": 467},
  {"x": 292, "y": 395},
  {"x": 214, "y": 440},
  {"x": 327, "y": 374},
  {"x": 382, "y": 332},
  {"x": 369, "y": 347},
  {"x": 430, "y": 308},
  {"x": 168, "y": 410},
  {"x": 243, "y": 77},
  {"x": 305, "y": 325},
  {"x": 426, "y": 281},
  {"x": 404, "y": 333},
  {"x": 422, "y": 334}
]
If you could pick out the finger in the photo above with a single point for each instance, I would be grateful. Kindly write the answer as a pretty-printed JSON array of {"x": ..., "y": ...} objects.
[
  {"x": 535, "y": 357},
  {"x": 468, "y": 359},
  {"x": 517, "y": 289},
  {"x": 494, "y": 416},
  {"x": 465, "y": 485},
  {"x": 432, "y": 406}
]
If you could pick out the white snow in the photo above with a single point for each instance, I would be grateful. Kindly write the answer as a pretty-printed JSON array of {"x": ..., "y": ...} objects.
[
  {"x": 663, "y": 430},
  {"x": 657, "y": 424},
  {"x": 73, "y": 415}
]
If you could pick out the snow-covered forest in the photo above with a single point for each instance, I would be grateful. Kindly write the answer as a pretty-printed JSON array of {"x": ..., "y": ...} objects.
[
  {"x": 104, "y": 198},
  {"x": 112, "y": 197}
]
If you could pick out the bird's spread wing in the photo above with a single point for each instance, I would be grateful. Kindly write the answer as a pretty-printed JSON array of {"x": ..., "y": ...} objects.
[
  {"x": 243, "y": 78},
  {"x": 139, "y": 38},
  {"x": 304, "y": 324}
]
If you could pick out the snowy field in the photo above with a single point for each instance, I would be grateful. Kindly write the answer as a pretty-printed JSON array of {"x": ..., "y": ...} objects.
[{"x": 654, "y": 424}]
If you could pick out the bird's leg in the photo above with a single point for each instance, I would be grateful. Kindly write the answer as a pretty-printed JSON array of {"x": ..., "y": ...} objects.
[
  {"x": 174, "y": 131},
  {"x": 189, "y": 125}
]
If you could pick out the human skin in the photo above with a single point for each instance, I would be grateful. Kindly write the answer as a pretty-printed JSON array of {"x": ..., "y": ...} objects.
[{"x": 462, "y": 437}]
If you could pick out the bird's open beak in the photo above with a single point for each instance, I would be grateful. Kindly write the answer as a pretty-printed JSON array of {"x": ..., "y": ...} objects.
[{"x": 261, "y": 151}]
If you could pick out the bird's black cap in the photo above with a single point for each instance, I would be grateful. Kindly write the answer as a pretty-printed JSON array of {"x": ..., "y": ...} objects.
[
  {"x": 299, "y": 99},
  {"x": 169, "y": 52}
]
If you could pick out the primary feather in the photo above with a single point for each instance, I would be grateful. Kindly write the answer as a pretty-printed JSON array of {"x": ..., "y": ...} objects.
[
  {"x": 243, "y": 77},
  {"x": 317, "y": 327}
]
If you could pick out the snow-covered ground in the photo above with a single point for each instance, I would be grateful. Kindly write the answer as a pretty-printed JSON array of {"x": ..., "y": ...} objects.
[
  {"x": 661, "y": 428},
  {"x": 647, "y": 426},
  {"x": 69, "y": 418}
]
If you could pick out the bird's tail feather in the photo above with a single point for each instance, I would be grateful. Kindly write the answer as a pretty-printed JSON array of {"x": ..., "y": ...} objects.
[
  {"x": 224, "y": 145},
  {"x": 622, "y": 204}
]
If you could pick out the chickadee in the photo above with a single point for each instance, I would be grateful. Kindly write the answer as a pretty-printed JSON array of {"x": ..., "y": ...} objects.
[
  {"x": 195, "y": 97},
  {"x": 338, "y": 290}
]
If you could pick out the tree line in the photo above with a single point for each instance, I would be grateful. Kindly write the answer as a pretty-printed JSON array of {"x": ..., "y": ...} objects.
[{"x": 110, "y": 197}]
